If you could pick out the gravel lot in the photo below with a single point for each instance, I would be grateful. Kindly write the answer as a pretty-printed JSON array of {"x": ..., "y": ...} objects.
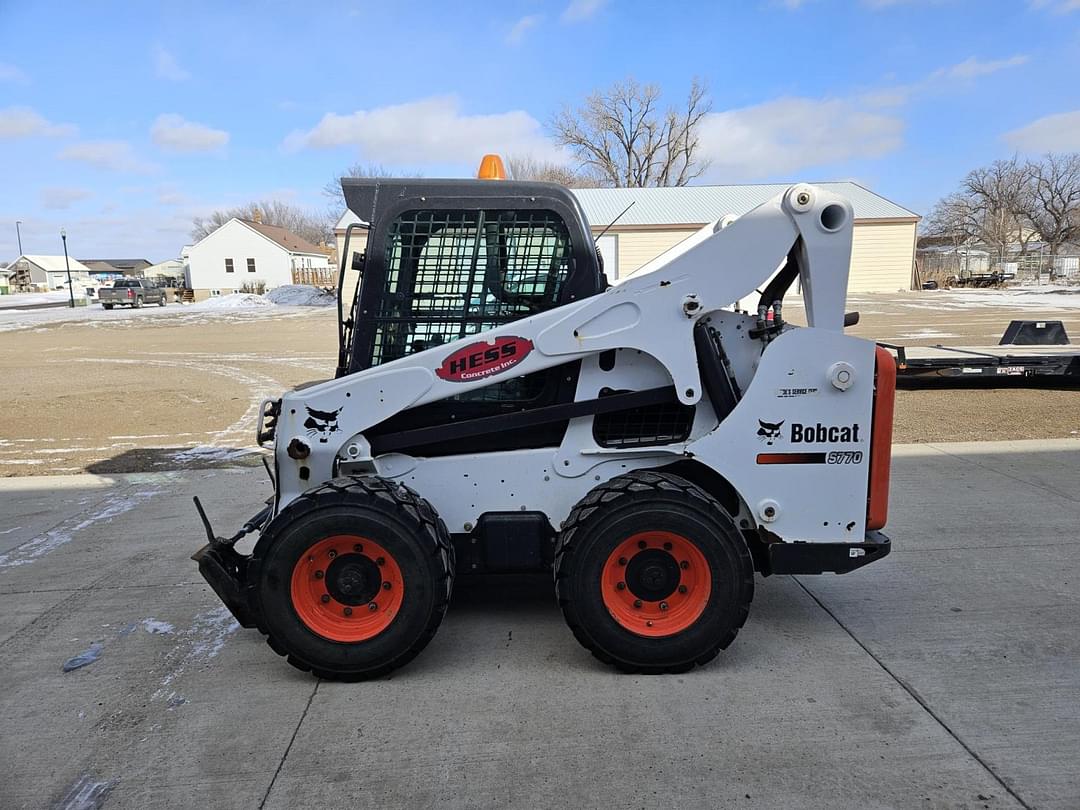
[{"x": 155, "y": 389}]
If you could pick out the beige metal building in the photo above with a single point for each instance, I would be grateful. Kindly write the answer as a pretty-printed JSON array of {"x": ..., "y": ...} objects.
[{"x": 883, "y": 250}]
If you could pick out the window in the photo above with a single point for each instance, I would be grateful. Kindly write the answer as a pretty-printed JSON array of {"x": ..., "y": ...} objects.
[
  {"x": 455, "y": 273},
  {"x": 228, "y": 266},
  {"x": 251, "y": 265},
  {"x": 216, "y": 293}
]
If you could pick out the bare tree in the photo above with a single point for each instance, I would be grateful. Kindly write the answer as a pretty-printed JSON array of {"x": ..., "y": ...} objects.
[
  {"x": 529, "y": 167},
  {"x": 623, "y": 135},
  {"x": 1054, "y": 189},
  {"x": 998, "y": 205},
  {"x": 332, "y": 189},
  {"x": 315, "y": 228}
]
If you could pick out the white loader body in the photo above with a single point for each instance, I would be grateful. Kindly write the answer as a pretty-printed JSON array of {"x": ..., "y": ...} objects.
[{"x": 796, "y": 447}]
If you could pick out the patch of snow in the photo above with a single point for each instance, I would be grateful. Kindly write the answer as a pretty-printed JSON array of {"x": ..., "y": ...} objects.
[
  {"x": 301, "y": 295},
  {"x": 212, "y": 628},
  {"x": 157, "y": 627},
  {"x": 64, "y": 533},
  {"x": 35, "y": 299},
  {"x": 86, "y": 794},
  {"x": 233, "y": 301},
  {"x": 927, "y": 333},
  {"x": 205, "y": 452},
  {"x": 204, "y": 640}
]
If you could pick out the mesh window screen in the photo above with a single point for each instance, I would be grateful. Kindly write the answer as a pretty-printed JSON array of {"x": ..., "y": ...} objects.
[{"x": 451, "y": 274}]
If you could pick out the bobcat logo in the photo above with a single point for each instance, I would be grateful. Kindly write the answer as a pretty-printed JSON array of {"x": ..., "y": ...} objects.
[
  {"x": 769, "y": 430},
  {"x": 322, "y": 423}
]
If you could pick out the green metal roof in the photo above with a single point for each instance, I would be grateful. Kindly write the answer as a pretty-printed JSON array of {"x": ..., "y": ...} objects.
[{"x": 696, "y": 205}]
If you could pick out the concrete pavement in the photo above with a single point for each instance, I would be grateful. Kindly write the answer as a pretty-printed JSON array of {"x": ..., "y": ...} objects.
[{"x": 946, "y": 675}]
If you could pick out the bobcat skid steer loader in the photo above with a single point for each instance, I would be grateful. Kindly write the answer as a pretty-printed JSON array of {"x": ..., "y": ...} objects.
[{"x": 499, "y": 407}]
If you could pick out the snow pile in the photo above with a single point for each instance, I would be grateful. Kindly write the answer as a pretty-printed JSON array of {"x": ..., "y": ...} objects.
[
  {"x": 234, "y": 301},
  {"x": 1026, "y": 297},
  {"x": 37, "y": 299},
  {"x": 301, "y": 295}
]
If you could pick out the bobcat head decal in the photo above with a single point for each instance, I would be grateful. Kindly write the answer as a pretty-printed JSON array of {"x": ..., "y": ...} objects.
[
  {"x": 768, "y": 431},
  {"x": 322, "y": 423}
]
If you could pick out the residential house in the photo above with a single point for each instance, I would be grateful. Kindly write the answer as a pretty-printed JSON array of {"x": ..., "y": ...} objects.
[{"x": 247, "y": 255}]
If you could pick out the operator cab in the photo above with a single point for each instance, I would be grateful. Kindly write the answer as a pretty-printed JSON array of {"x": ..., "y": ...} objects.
[{"x": 447, "y": 259}]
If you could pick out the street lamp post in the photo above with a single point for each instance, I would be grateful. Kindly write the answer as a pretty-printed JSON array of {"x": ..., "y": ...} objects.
[
  {"x": 67, "y": 264},
  {"x": 18, "y": 234}
]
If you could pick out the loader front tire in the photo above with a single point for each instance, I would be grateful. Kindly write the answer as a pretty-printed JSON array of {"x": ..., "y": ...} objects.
[
  {"x": 352, "y": 579},
  {"x": 652, "y": 574}
]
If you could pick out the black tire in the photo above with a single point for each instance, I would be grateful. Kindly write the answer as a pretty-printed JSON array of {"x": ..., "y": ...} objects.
[
  {"x": 107, "y": 306},
  {"x": 161, "y": 301},
  {"x": 137, "y": 304},
  {"x": 391, "y": 515},
  {"x": 624, "y": 507}
]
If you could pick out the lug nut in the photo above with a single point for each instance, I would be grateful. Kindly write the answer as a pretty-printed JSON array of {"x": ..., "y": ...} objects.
[
  {"x": 648, "y": 624},
  {"x": 621, "y": 586},
  {"x": 637, "y": 603},
  {"x": 682, "y": 589},
  {"x": 381, "y": 561},
  {"x": 348, "y": 611},
  {"x": 667, "y": 546},
  {"x": 386, "y": 586},
  {"x": 325, "y": 598},
  {"x": 642, "y": 544},
  {"x": 372, "y": 607},
  {"x": 358, "y": 548},
  {"x": 318, "y": 575},
  {"x": 622, "y": 560},
  {"x": 331, "y": 554},
  {"x": 663, "y": 605},
  {"x": 684, "y": 565}
]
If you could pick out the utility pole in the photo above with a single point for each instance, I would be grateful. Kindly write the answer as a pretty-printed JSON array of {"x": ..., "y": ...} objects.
[
  {"x": 18, "y": 235},
  {"x": 67, "y": 264}
]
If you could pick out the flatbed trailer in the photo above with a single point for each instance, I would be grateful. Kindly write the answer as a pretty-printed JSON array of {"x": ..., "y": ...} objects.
[
  {"x": 916, "y": 364},
  {"x": 1028, "y": 350}
]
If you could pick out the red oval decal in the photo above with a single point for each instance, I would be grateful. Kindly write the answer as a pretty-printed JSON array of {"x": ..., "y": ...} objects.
[{"x": 484, "y": 358}]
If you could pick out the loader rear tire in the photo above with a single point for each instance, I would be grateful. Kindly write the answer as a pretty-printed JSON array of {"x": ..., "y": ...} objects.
[
  {"x": 352, "y": 579},
  {"x": 652, "y": 574}
]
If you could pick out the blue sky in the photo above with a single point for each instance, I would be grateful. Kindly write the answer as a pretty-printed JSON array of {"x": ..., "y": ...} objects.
[{"x": 122, "y": 121}]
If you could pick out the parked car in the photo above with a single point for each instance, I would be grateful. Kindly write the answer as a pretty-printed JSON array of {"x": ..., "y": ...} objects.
[{"x": 133, "y": 292}]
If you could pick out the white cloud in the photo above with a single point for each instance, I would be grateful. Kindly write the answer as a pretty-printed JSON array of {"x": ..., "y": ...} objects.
[
  {"x": 166, "y": 66},
  {"x": 173, "y": 133},
  {"x": 1056, "y": 6},
  {"x": 970, "y": 69},
  {"x": 1051, "y": 133},
  {"x": 432, "y": 130},
  {"x": 10, "y": 73},
  {"x": 789, "y": 135},
  {"x": 115, "y": 156},
  {"x": 23, "y": 122},
  {"x": 973, "y": 68},
  {"x": 59, "y": 198},
  {"x": 579, "y": 10},
  {"x": 521, "y": 27}
]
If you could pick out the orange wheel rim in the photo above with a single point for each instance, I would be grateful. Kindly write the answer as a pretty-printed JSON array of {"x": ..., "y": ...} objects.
[
  {"x": 656, "y": 584},
  {"x": 347, "y": 588}
]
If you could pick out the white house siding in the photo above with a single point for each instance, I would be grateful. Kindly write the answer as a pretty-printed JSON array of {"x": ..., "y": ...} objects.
[
  {"x": 882, "y": 254},
  {"x": 234, "y": 240}
]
